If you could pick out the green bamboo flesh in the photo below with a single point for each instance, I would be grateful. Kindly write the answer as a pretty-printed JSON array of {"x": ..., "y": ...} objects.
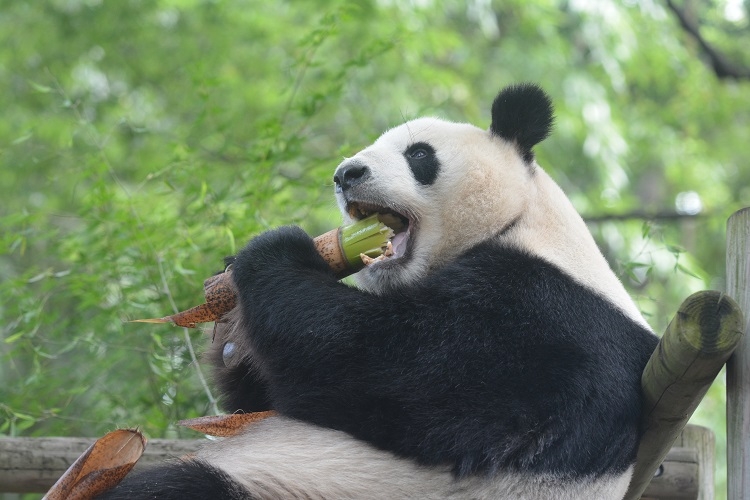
[{"x": 368, "y": 236}]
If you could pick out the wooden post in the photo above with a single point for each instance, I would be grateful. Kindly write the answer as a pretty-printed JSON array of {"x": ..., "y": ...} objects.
[
  {"x": 690, "y": 354},
  {"x": 676, "y": 478},
  {"x": 703, "y": 441},
  {"x": 687, "y": 473},
  {"x": 738, "y": 367}
]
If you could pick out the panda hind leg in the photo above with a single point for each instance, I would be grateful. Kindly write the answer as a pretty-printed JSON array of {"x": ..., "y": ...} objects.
[{"x": 183, "y": 479}]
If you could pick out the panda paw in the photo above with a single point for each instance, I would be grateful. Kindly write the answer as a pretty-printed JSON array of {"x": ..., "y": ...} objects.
[{"x": 274, "y": 252}]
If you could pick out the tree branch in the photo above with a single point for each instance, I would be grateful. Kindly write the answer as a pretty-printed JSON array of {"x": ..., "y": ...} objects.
[
  {"x": 640, "y": 215},
  {"x": 721, "y": 65}
]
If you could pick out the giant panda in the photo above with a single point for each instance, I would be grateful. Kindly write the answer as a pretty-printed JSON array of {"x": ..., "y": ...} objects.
[{"x": 494, "y": 355}]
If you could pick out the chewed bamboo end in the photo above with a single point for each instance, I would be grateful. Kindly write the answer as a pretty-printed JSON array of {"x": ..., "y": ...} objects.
[
  {"x": 225, "y": 425},
  {"x": 152, "y": 320},
  {"x": 189, "y": 318}
]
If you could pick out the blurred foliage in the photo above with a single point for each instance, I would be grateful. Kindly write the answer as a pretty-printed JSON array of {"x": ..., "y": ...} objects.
[{"x": 142, "y": 141}]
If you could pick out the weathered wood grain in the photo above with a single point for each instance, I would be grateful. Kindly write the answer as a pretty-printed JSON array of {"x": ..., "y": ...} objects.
[
  {"x": 738, "y": 366},
  {"x": 32, "y": 465}
]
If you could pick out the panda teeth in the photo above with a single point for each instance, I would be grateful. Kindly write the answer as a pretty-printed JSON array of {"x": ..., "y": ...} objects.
[
  {"x": 357, "y": 212},
  {"x": 366, "y": 259},
  {"x": 388, "y": 249}
]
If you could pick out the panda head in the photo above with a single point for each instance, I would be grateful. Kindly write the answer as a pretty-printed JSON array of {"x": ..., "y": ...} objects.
[{"x": 452, "y": 185}]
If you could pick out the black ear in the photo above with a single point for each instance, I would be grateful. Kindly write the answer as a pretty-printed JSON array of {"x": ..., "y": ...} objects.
[{"x": 522, "y": 114}]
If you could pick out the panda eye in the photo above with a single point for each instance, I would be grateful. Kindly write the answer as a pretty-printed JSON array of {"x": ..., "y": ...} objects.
[
  {"x": 423, "y": 162},
  {"x": 418, "y": 154}
]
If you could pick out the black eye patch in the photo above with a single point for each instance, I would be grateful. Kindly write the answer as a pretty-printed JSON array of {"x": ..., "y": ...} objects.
[{"x": 423, "y": 162}]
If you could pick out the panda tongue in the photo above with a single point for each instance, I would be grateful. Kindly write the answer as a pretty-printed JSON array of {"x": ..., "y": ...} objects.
[{"x": 399, "y": 244}]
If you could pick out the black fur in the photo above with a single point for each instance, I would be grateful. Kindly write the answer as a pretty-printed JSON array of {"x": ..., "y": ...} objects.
[
  {"x": 239, "y": 384},
  {"x": 423, "y": 162},
  {"x": 522, "y": 114},
  {"x": 178, "y": 480},
  {"x": 238, "y": 381},
  {"x": 497, "y": 361}
]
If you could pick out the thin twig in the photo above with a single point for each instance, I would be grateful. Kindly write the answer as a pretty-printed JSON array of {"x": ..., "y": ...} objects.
[
  {"x": 188, "y": 341},
  {"x": 722, "y": 66},
  {"x": 100, "y": 143},
  {"x": 642, "y": 215}
]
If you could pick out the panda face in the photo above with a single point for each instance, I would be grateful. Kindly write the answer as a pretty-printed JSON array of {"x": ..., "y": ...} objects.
[{"x": 451, "y": 186}]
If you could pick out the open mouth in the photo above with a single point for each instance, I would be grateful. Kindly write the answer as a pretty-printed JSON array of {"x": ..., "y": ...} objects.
[{"x": 402, "y": 225}]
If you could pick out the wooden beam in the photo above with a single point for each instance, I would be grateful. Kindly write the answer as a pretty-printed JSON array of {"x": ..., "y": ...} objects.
[
  {"x": 738, "y": 366},
  {"x": 687, "y": 472},
  {"x": 32, "y": 465},
  {"x": 697, "y": 343},
  {"x": 676, "y": 478}
]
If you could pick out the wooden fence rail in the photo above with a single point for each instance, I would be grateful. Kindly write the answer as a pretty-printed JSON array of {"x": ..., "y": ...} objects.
[{"x": 32, "y": 465}]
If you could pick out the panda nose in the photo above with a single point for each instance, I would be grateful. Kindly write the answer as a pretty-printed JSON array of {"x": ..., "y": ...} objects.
[{"x": 349, "y": 175}]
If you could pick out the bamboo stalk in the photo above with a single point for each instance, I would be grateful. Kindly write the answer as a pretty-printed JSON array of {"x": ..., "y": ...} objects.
[{"x": 345, "y": 249}]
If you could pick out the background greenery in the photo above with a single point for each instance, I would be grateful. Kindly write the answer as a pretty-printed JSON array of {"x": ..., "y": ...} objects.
[{"x": 142, "y": 141}]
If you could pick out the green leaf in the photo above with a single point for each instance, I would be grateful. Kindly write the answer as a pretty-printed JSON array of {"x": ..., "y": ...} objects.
[
  {"x": 16, "y": 336},
  {"x": 43, "y": 89}
]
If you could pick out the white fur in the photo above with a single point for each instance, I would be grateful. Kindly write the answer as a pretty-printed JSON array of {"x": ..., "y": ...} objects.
[{"x": 284, "y": 458}]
